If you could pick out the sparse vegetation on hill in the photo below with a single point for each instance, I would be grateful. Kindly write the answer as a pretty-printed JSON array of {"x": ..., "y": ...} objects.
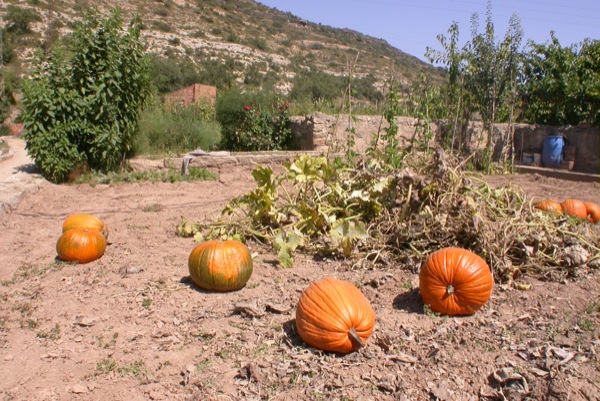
[{"x": 259, "y": 45}]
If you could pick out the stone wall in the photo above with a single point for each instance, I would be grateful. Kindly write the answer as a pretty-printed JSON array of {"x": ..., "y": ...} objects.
[{"x": 327, "y": 134}]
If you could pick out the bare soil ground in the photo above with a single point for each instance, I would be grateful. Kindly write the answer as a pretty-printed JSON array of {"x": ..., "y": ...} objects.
[{"x": 131, "y": 326}]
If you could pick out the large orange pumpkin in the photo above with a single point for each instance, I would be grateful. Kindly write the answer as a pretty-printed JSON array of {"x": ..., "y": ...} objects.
[
  {"x": 550, "y": 206},
  {"x": 82, "y": 220},
  {"x": 333, "y": 315},
  {"x": 220, "y": 265},
  {"x": 575, "y": 207},
  {"x": 593, "y": 211},
  {"x": 455, "y": 281},
  {"x": 81, "y": 245}
]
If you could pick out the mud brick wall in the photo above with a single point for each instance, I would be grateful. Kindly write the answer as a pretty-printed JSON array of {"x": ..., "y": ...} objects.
[{"x": 190, "y": 95}]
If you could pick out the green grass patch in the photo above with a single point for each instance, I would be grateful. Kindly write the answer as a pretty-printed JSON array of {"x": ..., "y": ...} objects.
[{"x": 172, "y": 175}]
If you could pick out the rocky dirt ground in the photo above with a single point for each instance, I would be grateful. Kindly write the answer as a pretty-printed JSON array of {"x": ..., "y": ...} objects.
[{"x": 131, "y": 326}]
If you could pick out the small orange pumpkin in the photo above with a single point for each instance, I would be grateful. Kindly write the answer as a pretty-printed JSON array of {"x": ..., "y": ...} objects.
[
  {"x": 81, "y": 245},
  {"x": 455, "y": 281},
  {"x": 220, "y": 265},
  {"x": 333, "y": 315},
  {"x": 550, "y": 206},
  {"x": 575, "y": 207},
  {"x": 82, "y": 220},
  {"x": 593, "y": 211}
]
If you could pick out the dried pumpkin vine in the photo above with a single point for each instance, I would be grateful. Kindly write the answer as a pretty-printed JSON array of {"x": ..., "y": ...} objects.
[{"x": 386, "y": 210}]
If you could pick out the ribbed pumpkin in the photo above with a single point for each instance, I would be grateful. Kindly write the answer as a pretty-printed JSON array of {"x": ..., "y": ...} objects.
[
  {"x": 593, "y": 211},
  {"x": 81, "y": 245},
  {"x": 333, "y": 315},
  {"x": 455, "y": 281},
  {"x": 220, "y": 265},
  {"x": 550, "y": 206},
  {"x": 82, "y": 220},
  {"x": 575, "y": 207}
]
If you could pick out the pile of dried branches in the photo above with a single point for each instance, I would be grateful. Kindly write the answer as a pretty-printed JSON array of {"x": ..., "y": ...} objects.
[{"x": 442, "y": 204}]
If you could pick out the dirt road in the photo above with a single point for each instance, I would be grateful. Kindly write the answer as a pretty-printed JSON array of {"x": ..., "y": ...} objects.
[{"x": 18, "y": 175}]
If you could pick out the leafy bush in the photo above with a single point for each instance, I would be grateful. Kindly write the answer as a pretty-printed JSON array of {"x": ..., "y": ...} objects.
[
  {"x": 263, "y": 130},
  {"x": 83, "y": 109},
  {"x": 4, "y": 131},
  {"x": 12, "y": 84},
  {"x": 253, "y": 121},
  {"x": 230, "y": 112}
]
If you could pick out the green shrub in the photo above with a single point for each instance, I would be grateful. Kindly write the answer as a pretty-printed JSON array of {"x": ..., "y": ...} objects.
[
  {"x": 4, "y": 131},
  {"x": 177, "y": 131},
  {"x": 12, "y": 84},
  {"x": 220, "y": 74},
  {"x": 84, "y": 109},
  {"x": 17, "y": 20},
  {"x": 254, "y": 122},
  {"x": 317, "y": 85},
  {"x": 162, "y": 26}
]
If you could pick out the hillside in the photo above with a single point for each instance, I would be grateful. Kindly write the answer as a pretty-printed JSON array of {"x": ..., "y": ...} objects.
[{"x": 247, "y": 37}]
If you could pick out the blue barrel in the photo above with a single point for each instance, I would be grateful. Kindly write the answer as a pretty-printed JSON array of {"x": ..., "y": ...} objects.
[{"x": 552, "y": 151}]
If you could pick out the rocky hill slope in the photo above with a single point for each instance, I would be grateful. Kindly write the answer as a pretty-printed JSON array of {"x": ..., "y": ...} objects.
[{"x": 248, "y": 36}]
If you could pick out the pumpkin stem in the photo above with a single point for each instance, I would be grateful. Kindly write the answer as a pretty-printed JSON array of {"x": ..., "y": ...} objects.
[
  {"x": 355, "y": 338},
  {"x": 450, "y": 289}
]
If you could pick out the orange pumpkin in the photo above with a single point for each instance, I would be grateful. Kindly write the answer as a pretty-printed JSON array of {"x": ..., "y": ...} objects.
[
  {"x": 550, "y": 206},
  {"x": 455, "y": 281},
  {"x": 593, "y": 211},
  {"x": 220, "y": 265},
  {"x": 333, "y": 315},
  {"x": 81, "y": 245},
  {"x": 575, "y": 207},
  {"x": 82, "y": 220}
]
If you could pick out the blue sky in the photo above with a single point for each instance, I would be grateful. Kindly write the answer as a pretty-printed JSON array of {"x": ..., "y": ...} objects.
[{"x": 411, "y": 26}]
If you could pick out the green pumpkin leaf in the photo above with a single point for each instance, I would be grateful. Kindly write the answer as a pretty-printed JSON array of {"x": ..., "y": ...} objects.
[
  {"x": 199, "y": 237},
  {"x": 345, "y": 232},
  {"x": 284, "y": 245}
]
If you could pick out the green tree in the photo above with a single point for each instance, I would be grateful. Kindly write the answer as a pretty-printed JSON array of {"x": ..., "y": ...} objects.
[
  {"x": 483, "y": 77},
  {"x": 562, "y": 84},
  {"x": 457, "y": 109},
  {"x": 490, "y": 68},
  {"x": 84, "y": 108}
]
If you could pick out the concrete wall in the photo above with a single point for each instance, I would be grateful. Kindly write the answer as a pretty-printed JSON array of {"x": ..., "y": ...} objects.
[
  {"x": 584, "y": 139},
  {"x": 324, "y": 133}
]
